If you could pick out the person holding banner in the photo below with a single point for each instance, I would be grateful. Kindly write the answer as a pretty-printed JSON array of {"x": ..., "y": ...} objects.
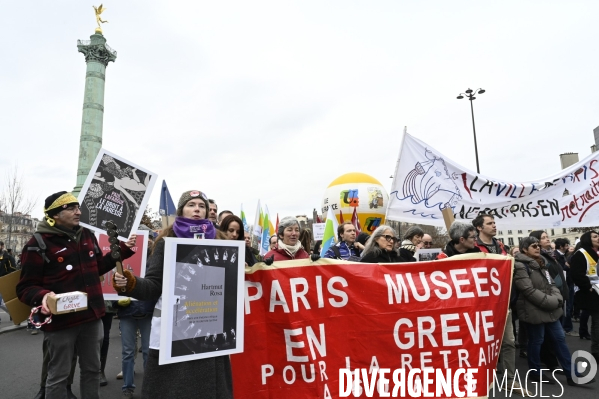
[
  {"x": 71, "y": 261},
  {"x": 583, "y": 266},
  {"x": 288, "y": 246},
  {"x": 540, "y": 305},
  {"x": 463, "y": 239},
  {"x": 210, "y": 377},
  {"x": 347, "y": 247},
  {"x": 379, "y": 249}
]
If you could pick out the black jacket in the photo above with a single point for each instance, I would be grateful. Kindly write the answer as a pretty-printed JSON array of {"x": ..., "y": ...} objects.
[
  {"x": 555, "y": 270},
  {"x": 405, "y": 255},
  {"x": 561, "y": 259},
  {"x": 7, "y": 263},
  {"x": 584, "y": 298},
  {"x": 382, "y": 257},
  {"x": 450, "y": 251}
]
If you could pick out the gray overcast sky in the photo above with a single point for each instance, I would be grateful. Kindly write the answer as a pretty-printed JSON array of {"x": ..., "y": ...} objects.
[{"x": 275, "y": 99}]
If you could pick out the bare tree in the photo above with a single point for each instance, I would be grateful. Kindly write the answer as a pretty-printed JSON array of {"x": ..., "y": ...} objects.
[
  {"x": 14, "y": 199},
  {"x": 151, "y": 219}
]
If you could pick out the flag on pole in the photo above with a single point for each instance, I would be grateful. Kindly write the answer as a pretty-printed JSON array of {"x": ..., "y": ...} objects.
[
  {"x": 318, "y": 219},
  {"x": 246, "y": 227},
  {"x": 265, "y": 246},
  {"x": 271, "y": 228},
  {"x": 277, "y": 226},
  {"x": 330, "y": 236},
  {"x": 340, "y": 217},
  {"x": 257, "y": 232},
  {"x": 355, "y": 221},
  {"x": 167, "y": 207}
]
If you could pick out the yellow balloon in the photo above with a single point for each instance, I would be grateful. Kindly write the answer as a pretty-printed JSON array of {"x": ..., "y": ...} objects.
[{"x": 359, "y": 193}]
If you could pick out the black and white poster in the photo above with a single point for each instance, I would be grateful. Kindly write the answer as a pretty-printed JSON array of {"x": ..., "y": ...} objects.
[
  {"x": 202, "y": 299},
  {"x": 115, "y": 190},
  {"x": 427, "y": 254}
]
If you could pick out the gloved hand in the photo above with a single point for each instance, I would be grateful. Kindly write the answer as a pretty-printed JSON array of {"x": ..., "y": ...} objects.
[
  {"x": 124, "y": 283},
  {"x": 314, "y": 257},
  {"x": 269, "y": 260}
]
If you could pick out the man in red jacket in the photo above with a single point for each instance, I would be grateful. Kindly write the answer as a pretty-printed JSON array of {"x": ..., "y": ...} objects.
[{"x": 71, "y": 262}]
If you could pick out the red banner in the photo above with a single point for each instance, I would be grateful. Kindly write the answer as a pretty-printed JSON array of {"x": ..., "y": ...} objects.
[
  {"x": 307, "y": 321},
  {"x": 136, "y": 264}
]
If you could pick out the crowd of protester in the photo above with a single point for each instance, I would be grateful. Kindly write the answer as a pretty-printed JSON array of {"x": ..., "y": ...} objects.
[{"x": 552, "y": 286}]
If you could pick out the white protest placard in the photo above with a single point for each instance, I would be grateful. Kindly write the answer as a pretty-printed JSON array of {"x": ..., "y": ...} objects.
[
  {"x": 202, "y": 299},
  {"x": 115, "y": 190},
  {"x": 318, "y": 231}
]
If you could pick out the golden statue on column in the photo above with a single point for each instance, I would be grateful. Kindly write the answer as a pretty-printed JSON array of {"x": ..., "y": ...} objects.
[{"x": 99, "y": 11}]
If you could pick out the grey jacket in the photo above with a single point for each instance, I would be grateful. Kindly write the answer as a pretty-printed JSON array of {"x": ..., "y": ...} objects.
[{"x": 539, "y": 301}]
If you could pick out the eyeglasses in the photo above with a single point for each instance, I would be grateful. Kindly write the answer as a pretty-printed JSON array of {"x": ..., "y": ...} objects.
[
  {"x": 73, "y": 208},
  {"x": 470, "y": 238},
  {"x": 535, "y": 246},
  {"x": 427, "y": 243},
  {"x": 390, "y": 238}
]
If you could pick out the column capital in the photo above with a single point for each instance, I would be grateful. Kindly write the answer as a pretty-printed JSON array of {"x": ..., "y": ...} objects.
[{"x": 96, "y": 50}]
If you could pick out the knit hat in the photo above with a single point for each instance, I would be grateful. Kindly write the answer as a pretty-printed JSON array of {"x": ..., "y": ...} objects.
[
  {"x": 188, "y": 196},
  {"x": 56, "y": 203}
]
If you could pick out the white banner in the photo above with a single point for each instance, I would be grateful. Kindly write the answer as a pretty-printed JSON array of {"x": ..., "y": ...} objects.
[{"x": 426, "y": 182}]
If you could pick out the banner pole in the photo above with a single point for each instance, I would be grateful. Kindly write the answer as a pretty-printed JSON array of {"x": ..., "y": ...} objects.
[{"x": 448, "y": 217}]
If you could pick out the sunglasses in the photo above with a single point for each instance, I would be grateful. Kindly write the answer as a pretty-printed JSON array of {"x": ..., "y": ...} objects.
[
  {"x": 535, "y": 246},
  {"x": 390, "y": 238},
  {"x": 427, "y": 242}
]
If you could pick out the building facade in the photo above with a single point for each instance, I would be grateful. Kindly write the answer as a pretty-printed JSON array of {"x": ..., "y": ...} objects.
[{"x": 16, "y": 230}]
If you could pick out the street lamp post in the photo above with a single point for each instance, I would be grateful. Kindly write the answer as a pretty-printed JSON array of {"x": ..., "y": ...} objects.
[{"x": 470, "y": 94}]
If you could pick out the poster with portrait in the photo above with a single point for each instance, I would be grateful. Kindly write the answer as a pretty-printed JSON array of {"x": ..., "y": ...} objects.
[
  {"x": 116, "y": 190},
  {"x": 136, "y": 264},
  {"x": 427, "y": 254},
  {"x": 202, "y": 299}
]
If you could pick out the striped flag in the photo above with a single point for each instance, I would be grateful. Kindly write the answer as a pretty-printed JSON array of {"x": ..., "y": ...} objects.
[
  {"x": 341, "y": 221},
  {"x": 257, "y": 232},
  {"x": 330, "y": 236},
  {"x": 246, "y": 226},
  {"x": 355, "y": 221},
  {"x": 265, "y": 246}
]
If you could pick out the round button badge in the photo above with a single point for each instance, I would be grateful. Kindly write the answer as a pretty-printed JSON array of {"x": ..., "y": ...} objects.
[{"x": 69, "y": 267}]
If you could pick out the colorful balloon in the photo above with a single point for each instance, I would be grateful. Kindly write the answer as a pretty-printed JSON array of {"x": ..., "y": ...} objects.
[{"x": 359, "y": 193}]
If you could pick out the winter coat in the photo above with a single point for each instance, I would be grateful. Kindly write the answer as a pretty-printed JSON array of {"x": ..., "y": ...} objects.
[
  {"x": 281, "y": 255},
  {"x": 584, "y": 298},
  {"x": 215, "y": 372},
  {"x": 555, "y": 269},
  {"x": 382, "y": 257},
  {"x": 76, "y": 264},
  {"x": 450, "y": 251},
  {"x": 405, "y": 255},
  {"x": 539, "y": 300}
]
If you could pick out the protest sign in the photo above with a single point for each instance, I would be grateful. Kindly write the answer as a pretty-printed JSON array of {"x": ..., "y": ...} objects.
[
  {"x": 426, "y": 182},
  {"x": 308, "y": 323},
  {"x": 116, "y": 190},
  {"x": 426, "y": 254},
  {"x": 318, "y": 231},
  {"x": 202, "y": 299},
  {"x": 136, "y": 264}
]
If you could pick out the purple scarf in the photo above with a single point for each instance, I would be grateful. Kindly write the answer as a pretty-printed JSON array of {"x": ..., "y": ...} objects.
[{"x": 186, "y": 228}]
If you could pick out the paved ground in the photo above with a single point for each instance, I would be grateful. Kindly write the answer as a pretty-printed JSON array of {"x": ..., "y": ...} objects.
[
  {"x": 21, "y": 364},
  {"x": 20, "y": 367}
]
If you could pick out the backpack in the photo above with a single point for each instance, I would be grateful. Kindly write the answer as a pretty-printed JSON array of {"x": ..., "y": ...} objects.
[{"x": 41, "y": 247}]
